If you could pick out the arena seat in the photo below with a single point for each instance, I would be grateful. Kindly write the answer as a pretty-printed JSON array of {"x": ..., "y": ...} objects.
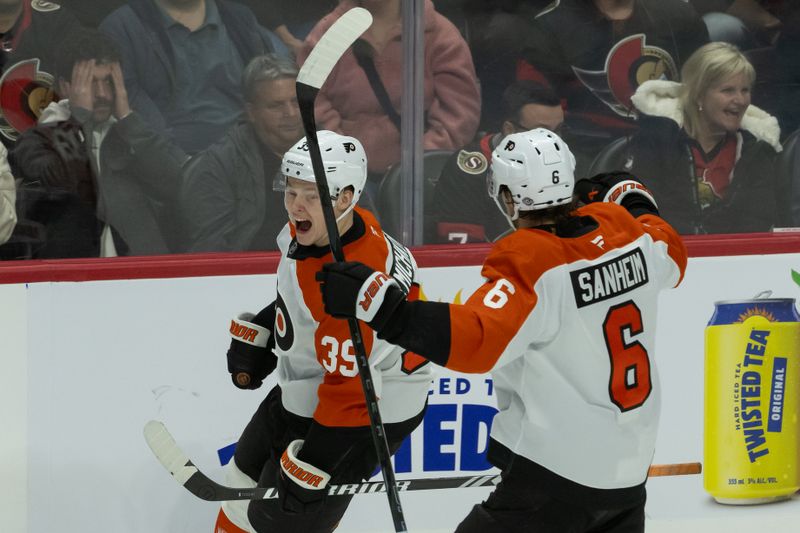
[
  {"x": 389, "y": 210},
  {"x": 612, "y": 157}
]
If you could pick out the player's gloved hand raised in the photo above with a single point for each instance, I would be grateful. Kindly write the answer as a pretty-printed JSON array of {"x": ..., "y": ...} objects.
[
  {"x": 302, "y": 487},
  {"x": 250, "y": 355},
  {"x": 619, "y": 187},
  {"x": 354, "y": 290}
]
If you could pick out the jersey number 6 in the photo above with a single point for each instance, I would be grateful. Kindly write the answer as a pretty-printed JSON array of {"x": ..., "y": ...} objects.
[{"x": 629, "y": 384}]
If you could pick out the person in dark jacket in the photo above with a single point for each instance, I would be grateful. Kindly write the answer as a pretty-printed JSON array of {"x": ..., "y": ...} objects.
[
  {"x": 94, "y": 175},
  {"x": 31, "y": 32},
  {"x": 595, "y": 54},
  {"x": 290, "y": 21},
  {"x": 183, "y": 61},
  {"x": 229, "y": 199},
  {"x": 92, "y": 12},
  {"x": 707, "y": 154}
]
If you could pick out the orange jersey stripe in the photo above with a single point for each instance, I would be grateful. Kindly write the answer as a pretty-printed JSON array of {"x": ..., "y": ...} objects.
[{"x": 341, "y": 399}]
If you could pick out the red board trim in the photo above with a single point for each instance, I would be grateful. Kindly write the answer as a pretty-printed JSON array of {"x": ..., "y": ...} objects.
[{"x": 198, "y": 265}]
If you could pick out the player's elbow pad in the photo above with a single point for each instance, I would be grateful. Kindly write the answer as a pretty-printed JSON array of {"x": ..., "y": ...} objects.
[{"x": 421, "y": 327}]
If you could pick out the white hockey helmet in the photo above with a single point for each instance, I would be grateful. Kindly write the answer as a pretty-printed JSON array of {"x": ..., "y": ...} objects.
[
  {"x": 538, "y": 168},
  {"x": 344, "y": 159}
]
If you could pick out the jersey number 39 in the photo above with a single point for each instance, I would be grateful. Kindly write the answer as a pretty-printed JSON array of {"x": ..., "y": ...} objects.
[{"x": 629, "y": 384}]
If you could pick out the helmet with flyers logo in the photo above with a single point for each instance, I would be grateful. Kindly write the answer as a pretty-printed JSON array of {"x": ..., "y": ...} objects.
[
  {"x": 344, "y": 159},
  {"x": 538, "y": 169}
]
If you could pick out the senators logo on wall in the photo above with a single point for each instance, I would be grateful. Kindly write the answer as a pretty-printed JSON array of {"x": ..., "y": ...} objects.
[
  {"x": 24, "y": 93},
  {"x": 629, "y": 64}
]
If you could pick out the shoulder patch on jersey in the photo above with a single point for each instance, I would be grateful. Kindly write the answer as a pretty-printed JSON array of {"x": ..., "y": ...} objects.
[
  {"x": 43, "y": 6},
  {"x": 472, "y": 162}
]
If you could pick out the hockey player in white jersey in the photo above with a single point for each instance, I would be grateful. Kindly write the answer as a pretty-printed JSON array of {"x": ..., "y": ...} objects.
[
  {"x": 566, "y": 323},
  {"x": 313, "y": 428}
]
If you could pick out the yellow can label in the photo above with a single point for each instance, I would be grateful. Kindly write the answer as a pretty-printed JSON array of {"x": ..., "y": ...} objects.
[{"x": 751, "y": 444}]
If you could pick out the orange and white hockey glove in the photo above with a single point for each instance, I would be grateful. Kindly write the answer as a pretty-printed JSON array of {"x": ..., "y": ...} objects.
[
  {"x": 354, "y": 290},
  {"x": 302, "y": 487},
  {"x": 250, "y": 355},
  {"x": 620, "y": 188}
]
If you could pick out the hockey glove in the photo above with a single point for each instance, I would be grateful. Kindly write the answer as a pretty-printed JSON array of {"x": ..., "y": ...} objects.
[
  {"x": 354, "y": 290},
  {"x": 302, "y": 487},
  {"x": 250, "y": 356},
  {"x": 620, "y": 188}
]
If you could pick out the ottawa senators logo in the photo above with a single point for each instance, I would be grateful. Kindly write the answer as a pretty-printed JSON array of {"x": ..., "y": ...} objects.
[
  {"x": 472, "y": 162},
  {"x": 629, "y": 64},
  {"x": 24, "y": 93},
  {"x": 44, "y": 6}
]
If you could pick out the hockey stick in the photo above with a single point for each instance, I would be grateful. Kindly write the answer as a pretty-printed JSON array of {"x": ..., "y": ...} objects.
[
  {"x": 187, "y": 474},
  {"x": 327, "y": 52}
]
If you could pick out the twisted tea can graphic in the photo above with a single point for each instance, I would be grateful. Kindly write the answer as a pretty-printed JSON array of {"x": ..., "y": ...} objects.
[{"x": 752, "y": 361}]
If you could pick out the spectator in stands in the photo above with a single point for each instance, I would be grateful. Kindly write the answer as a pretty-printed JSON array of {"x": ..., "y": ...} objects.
[
  {"x": 787, "y": 50},
  {"x": 229, "y": 199},
  {"x": 8, "y": 197},
  {"x": 100, "y": 181},
  {"x": 30, "y": 30},
  {"x": 496, "y": 31},
  {"x": 290, "y": 21},
  {"x": 465, "y": 213},
  {"x": 183, "y": 61},
  {"x": 761, "y": 26},
  {"x": 92, "y": 12},
  {"x": 706, "y": 153},
  {"x": 596, "y": 53},
  {"x": 348, "y": 103}
]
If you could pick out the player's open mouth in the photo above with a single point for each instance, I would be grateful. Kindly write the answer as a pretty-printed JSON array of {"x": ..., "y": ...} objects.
[{"x": 302, "y": 225}]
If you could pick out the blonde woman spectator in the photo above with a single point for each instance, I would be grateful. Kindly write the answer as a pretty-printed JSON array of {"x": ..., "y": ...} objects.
[
  {"x": 706, "y": 153},
  {"x": 347, "y": 103},
  {"x": 8, "y": 196}
]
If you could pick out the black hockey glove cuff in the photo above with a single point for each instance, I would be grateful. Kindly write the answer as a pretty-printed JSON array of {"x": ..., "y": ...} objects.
[
  {"x": 302, "y": 487},
  {"x": 354, "y": 290},
  {"x": 250, "y": 355},
  {"x": 620, "y": 188}
]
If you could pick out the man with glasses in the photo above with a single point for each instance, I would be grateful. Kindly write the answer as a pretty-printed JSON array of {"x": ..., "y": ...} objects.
[{"x": 464, "y": 212}]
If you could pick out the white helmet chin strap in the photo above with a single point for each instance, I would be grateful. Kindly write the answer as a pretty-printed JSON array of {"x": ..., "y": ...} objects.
[
  {"x": 502, "y": 207},
  {"x": 349, "y": 208}
]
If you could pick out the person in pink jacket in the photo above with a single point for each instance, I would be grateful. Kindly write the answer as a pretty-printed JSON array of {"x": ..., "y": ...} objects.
[{"x": 348, "y": 105}]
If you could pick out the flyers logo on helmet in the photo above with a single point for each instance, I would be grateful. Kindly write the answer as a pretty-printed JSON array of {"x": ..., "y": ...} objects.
[
  {"x": 24, "y": 93},
  {"x": 628, "y": 64}
]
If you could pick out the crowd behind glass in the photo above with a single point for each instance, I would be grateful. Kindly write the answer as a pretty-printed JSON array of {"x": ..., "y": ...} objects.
[{"x": 147, "y": 127}]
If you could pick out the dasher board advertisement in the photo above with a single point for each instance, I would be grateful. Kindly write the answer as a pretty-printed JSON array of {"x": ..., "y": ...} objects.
[{"x": 86, "y": 364}]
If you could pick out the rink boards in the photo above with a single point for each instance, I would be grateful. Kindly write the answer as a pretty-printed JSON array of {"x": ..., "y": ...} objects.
[{"x": 85, "y": 364}]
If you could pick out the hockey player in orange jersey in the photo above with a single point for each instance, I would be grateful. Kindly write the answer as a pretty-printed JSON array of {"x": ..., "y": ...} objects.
[
  {"x": 313, "y": 427},
  {"x": 565, "y": 321}
]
